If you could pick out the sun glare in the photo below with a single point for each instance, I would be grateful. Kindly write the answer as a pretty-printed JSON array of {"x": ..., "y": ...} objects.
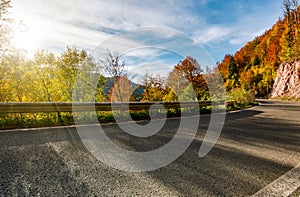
[{"x": 25, "y": 40}]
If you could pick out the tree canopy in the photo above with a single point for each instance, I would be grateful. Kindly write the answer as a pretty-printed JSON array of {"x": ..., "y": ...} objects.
[{"x": 254, "y": 66}]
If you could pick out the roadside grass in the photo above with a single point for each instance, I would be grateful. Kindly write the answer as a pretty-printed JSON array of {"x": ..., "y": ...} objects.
[
  {"x": 37, "y": 120},
  {"x": 33, "y": 120}
]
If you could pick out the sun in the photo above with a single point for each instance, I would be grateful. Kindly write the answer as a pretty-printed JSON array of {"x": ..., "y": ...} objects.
[{"x": 25, "y": 40}]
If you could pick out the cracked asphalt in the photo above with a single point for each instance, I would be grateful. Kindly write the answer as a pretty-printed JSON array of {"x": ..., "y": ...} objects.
[{"x": 256, "y": 147}]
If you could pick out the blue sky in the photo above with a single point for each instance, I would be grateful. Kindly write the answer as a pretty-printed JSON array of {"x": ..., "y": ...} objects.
[{"x": 220, "y": 26}]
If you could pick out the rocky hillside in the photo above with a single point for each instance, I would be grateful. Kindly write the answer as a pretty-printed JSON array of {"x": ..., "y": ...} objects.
[{"x": 287, "y": 83}]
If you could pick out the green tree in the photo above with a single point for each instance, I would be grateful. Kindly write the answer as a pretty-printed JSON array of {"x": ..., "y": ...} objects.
[
  {"x": 232, "y": 70},
  {"x": 5, "y": 79},
  {"x": 188, "y": 94},
  {"x": 287, "y": 43},
  {"x": 46, "y": 77},
  {"x": 77, "y": 66},
  {"x": 15, "y": 80},
  {"x": 291, "y": 34}
]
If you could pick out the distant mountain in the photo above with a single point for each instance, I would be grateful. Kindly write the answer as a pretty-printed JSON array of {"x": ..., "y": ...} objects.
[{"x": 254, "y": 67}]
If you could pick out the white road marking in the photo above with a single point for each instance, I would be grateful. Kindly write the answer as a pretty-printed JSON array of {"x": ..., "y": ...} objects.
[{"x": 284, "y": 185}]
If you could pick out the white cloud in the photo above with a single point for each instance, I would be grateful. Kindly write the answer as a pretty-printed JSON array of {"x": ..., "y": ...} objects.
[
  {"x": 212, "y": 34},
  {"x": 84, "y": 24},
  {"x": 244, "y": 37},
  {"x": 158, "y": 67},
  {"x": 145, "y": 53}
]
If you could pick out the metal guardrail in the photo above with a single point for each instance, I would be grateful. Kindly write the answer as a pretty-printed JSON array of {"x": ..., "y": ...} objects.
[{"x": 79, "y": 106}]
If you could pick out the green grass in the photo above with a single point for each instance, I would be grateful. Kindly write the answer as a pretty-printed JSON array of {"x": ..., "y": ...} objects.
[{"x": 36, "y": 120}]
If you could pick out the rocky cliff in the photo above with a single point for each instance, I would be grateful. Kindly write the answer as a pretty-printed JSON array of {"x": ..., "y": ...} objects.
[{"x": 287, "y": 83}]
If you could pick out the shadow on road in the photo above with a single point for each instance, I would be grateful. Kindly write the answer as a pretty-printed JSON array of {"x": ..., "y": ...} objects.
[{"x": 247, "y": 157}]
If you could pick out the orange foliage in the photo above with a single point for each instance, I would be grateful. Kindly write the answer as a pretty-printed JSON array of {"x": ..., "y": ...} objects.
[
  {"x": 122, "y": 91},
  {"x": 280, "y": 43}
]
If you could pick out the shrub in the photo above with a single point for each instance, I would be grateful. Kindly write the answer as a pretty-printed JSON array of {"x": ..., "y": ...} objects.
[{"x": 243, "y": 97}]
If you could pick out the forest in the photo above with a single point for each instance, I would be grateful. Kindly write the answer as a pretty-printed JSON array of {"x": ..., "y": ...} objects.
[
  {"x": 254, "y": 67},
  {"x": 51, "y": 78}
]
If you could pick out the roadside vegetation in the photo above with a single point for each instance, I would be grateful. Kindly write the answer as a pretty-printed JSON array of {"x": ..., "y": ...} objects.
[
  {"x": 47, "y": 77},
  {"x": 35, "y": 120},
  {"x": 244, "y": 99}
]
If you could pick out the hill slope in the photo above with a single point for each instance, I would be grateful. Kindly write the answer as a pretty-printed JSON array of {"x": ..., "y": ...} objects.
[{"x": 254, "y": 67}]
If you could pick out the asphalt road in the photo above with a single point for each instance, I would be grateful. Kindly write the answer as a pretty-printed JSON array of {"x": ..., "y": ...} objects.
[{"x": 257, "y": 146}]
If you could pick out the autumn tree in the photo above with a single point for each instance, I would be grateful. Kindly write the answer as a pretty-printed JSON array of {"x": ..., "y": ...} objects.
[
  {"x": 188, "y": 72},
  {"x": 116, "y": 70},
  {"x": 155, "y": 89},
  {"x": 255, "y": 65},
  {"x": 247, "y": 79},
  {"x": 122, "y": 91},
  {"x": 46, "y": 78},
  {"x": 223, "y": 67},
  {"x": 189, "y": 68},
  {"x": 290, "y": 11},
  {"x": 290, "y": 40},
  {"x": 15, "y": 78},
  {"x": 177, "y": 82}
]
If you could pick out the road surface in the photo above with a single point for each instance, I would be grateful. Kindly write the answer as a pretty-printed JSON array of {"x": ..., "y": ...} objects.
[{"x": 258, "y": 153}]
